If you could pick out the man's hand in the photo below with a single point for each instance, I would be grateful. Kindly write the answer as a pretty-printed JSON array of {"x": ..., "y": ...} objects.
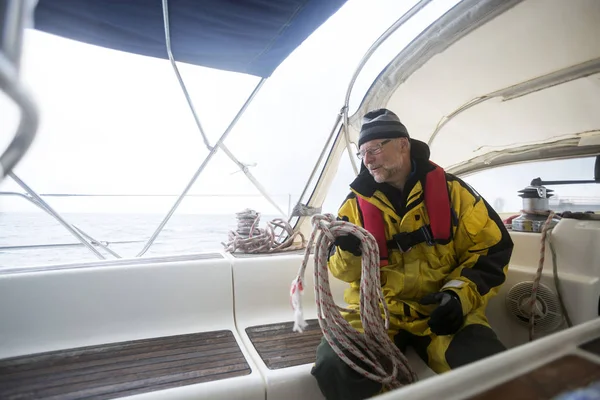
[
  {"x": 447, "y": 318},
  {"x": 349, "y": 243}
]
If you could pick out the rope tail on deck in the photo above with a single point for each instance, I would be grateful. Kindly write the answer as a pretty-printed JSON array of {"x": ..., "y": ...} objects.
[
  {"x": 374, "y": 348},
  {"x": 538, "y": 275}
]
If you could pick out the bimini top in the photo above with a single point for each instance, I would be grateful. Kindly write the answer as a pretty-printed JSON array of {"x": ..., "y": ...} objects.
[
  {"x": 247, "y": 36},
  {"x": 495, "y": 82}
]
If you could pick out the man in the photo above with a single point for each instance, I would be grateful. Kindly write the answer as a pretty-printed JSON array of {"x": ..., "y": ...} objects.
[{"x": 436, "y": 288}]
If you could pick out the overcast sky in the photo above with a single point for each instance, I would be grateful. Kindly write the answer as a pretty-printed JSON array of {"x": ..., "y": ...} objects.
[{"x": 117, "y": 123}]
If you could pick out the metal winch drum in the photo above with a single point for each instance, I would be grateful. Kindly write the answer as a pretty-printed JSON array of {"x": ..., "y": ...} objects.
[{"x": 535, "y": 210}]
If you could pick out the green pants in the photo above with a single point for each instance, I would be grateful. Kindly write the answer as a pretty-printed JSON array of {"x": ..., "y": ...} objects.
[{"x": 338, "y": 381}]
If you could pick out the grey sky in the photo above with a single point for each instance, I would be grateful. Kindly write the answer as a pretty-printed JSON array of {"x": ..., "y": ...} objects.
[{"x": 118, "y": 123}]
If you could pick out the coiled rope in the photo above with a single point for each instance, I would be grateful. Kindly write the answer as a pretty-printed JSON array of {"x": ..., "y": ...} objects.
[
  {"x": 374, "y": 348},
  {"x": 249, "y": 238}
]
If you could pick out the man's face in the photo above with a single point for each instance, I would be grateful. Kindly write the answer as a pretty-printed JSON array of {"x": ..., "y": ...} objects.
[{"x": 385, "y": 158}]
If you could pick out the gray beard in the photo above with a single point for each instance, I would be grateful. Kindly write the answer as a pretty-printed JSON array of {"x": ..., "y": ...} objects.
[{"x": 388, "y": 174}]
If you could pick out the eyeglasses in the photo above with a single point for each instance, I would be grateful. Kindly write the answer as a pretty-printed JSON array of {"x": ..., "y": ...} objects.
[{"x": 373, "y": 150}]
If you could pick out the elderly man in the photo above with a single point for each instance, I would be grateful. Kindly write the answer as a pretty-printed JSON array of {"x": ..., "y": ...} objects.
[{"x": 444, "y": 253}]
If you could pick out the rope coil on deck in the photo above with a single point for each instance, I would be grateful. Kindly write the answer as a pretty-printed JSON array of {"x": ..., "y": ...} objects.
[
  {"x": 249, "y": 238},
  {"x": 374, "y": 347}
]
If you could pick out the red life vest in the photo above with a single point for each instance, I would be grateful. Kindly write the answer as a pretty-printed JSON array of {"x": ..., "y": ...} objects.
[{"x": 437, "y": 203}]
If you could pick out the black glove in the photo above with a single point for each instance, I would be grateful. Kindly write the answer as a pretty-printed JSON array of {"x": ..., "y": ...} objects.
[
  {"x": 447, "y": 318},
  {"x": 349, "y": 243}
]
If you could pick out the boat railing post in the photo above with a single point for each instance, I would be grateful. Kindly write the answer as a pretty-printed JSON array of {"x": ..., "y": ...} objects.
[{"x": 14, "y": 17}]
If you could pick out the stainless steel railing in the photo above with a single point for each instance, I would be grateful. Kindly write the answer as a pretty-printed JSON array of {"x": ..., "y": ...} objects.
[{"x": 15, "y": 15}]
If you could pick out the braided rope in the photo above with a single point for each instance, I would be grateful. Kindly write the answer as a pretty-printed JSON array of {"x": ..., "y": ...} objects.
[
  {"x": 538, "y": 274},
  {"x": 374, "y": 347},
  {"x": 248, "y": 238}
]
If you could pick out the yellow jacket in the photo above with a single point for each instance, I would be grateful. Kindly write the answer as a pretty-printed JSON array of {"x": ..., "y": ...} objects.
[{"x": 473, "y": 263}]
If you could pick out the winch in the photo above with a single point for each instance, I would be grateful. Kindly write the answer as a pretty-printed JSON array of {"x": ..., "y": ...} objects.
[{"x": 535, "y": 209}]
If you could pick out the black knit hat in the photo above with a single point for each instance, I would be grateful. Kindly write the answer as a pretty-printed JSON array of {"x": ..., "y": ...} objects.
[{"x": 381, "y": 124}]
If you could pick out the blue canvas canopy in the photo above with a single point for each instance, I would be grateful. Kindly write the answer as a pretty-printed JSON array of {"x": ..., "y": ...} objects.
[{"x": 247, "y": 36}]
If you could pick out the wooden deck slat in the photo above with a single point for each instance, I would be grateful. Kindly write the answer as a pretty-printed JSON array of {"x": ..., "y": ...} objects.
[
  {"x": 298, "y": 344},
  {"x": 289, "y": 358},
  {"x": 101, "y": 351},
  {"x": 295, "y": 336},
  {"x": 108, "y": 392},
  {"x": 566, "y": 373},
  {"x": 126, "y": 380},
  {"x": 283, "y": 334},
  {"x": 284, "y": 327},
  {"x": 280, "y": 347},
  {"x": 123, "y": 369},
  {"x": 94, "y": 376},
  {"x": 170, "y": 385},
  {"x": 77, "y": 367},
  {"x": 286, "y": 332},
  {"x": 286, "y": 353}
]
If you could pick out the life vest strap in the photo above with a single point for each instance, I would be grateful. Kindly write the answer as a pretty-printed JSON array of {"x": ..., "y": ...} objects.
[
  {"x": 405, "y": 241},
  {"x": 373, "y": 222}
]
